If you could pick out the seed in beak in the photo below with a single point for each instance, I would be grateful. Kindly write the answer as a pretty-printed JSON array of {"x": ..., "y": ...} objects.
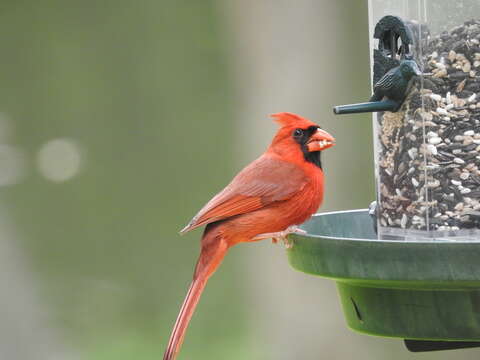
[{"x": 320, "y": 140}]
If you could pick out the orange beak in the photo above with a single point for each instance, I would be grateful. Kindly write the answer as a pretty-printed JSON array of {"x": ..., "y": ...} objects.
[{"x": 320, "y": 140}]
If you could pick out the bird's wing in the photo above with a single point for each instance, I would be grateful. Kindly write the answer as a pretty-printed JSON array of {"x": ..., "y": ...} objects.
[
  {"x": 387, "y": 81},
  {"x": 261, "y": 183}
]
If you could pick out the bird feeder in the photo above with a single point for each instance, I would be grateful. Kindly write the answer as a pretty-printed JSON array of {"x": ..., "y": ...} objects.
[{"x": 410, "y": 268}]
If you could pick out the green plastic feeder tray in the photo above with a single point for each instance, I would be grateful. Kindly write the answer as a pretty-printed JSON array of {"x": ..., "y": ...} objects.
[{"x": 420, "y": 290}]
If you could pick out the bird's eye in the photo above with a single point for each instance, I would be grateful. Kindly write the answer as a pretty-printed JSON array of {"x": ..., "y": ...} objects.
[{"x": 298, "y": 133}]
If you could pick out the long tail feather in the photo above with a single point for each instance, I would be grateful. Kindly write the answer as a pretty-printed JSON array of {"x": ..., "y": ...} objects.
[
  {"x": 183, "y": 319},
  {"x": 210, "y": 258}
]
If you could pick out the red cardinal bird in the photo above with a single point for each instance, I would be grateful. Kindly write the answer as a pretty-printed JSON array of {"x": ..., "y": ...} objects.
[{"x": 267, "y": 199}]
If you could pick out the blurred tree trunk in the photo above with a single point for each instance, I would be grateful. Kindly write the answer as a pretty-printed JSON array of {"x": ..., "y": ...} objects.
[
  {"x": 25, "y": 332},
  {"x": 303, "y": 57}
]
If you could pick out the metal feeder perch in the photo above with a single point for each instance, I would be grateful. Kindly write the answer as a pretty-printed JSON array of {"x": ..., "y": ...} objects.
[{"x": 410, "y": 266}]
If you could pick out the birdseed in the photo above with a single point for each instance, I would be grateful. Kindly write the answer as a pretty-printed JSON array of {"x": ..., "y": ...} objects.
[{"x": 429, "y": 150}]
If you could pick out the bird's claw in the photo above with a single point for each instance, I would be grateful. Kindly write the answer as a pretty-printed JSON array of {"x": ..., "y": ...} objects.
[{"x": 281, "y": 235}]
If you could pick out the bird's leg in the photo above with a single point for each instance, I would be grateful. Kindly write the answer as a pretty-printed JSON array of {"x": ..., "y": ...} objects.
[{"x": 281, "y": 235}]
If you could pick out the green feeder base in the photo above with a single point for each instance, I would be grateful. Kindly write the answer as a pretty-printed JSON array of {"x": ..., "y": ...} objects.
[
  {"x": 416, "y": 290},
  {"x": 412, "y": 313}
]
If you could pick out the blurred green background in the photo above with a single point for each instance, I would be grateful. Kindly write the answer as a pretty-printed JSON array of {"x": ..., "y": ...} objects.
[{"x": 119, "y": 120}]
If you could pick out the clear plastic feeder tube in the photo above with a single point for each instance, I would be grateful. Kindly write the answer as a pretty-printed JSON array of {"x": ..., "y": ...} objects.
[{"x": 427, "y": 154}]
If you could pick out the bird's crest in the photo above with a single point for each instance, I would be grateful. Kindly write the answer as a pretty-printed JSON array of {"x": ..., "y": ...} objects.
[{"x": 286, "y": 119}]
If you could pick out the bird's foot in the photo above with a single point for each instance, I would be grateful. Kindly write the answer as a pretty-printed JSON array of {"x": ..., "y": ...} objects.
[{"x": 281, "y": 235}]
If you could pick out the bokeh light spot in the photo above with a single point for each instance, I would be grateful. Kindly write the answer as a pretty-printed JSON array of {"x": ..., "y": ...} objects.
[{"x": 59, "y": 159}]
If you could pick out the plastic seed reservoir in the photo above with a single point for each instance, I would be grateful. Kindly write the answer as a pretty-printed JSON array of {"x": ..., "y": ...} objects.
[{"x": 428, "y": 152}]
